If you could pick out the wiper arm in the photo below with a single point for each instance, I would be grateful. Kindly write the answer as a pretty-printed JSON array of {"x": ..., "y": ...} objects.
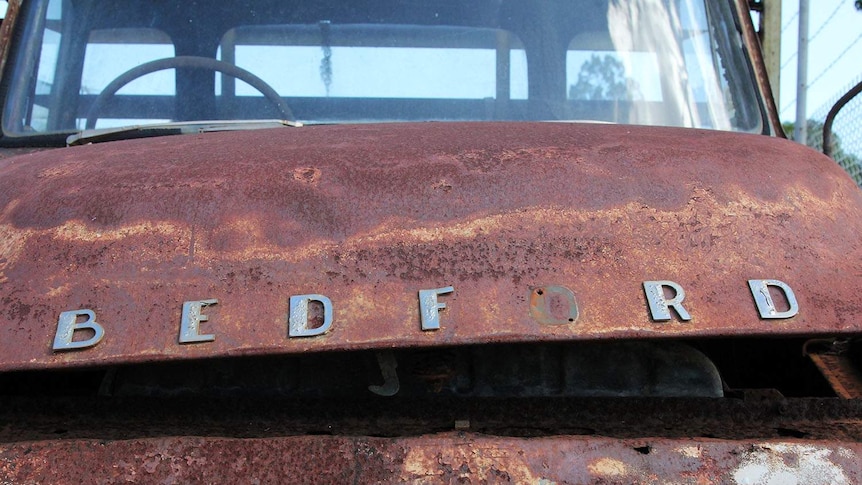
[{"x": 173, "y": 128}]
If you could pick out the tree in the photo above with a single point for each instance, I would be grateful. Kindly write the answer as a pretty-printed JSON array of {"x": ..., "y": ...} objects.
[
  {"x": 601, "y": 79},
  {"x": 851, "y": 163}
]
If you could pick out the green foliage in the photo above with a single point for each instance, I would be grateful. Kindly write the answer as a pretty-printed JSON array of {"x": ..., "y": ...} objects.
[{"x": 851, "y": 163}]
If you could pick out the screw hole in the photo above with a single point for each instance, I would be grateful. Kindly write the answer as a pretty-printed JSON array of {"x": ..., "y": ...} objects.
[{"x": 539, "y": 292}]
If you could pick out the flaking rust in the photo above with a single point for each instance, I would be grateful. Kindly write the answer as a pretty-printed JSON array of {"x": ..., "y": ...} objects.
[
  {"x": 387, "y": 240},
  {"x": 446, "y": 458},
  {"x": 598, "y": 210}
]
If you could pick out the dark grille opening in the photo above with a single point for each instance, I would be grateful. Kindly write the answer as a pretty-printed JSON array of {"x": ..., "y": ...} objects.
[
  {"x": 619, "y": 389},
  {"x": 709, "y": 368}
]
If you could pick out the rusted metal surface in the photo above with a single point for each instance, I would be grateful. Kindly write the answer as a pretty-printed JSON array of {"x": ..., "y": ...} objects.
[
  {"x": 759, "y": 416},
  {"x": 369, "y": 215},
  {"x": 759, "y": 66},
  {"x": 525, "y": 440},
  {"x": 6, "y": 31},
  {"x": 842, "y": 374},
  {"x": 834, "y": 359},
  {"x": 553, "y": 305},
  {"x": 13, "y": 152},
  {"x": 445, "y": 458}
]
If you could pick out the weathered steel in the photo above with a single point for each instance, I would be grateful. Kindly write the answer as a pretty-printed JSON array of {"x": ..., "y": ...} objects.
[
  {"x": 758, "y": 66},
  {"x": 553, "y": 305},
  {"x": 444, "y": 458},
  {"x": 370, "y": 215},
  {"x": 6, "y": 31},
  {"x": 841, "y": 372},
  {"x": 759, "y": 416},
  {"x": 545, "y": 232},
  {"x": 639, "y": 440}
]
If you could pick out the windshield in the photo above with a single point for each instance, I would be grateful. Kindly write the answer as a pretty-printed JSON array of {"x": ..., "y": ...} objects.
[{"x": 109, "y": 63}]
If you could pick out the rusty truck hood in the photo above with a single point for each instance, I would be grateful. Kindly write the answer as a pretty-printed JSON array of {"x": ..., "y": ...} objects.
[{"x": 369, "y": 215}]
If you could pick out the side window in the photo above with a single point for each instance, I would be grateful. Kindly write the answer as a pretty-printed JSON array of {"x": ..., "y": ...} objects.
[
  {"x": 706, "y": 75},
  {"x": 110, "y": 53},
  {"x": 659, "y": 67},
  {"x": 37, "y": 118}
]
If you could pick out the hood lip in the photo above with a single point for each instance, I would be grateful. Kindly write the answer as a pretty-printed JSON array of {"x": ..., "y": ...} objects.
[
  {"x": 78, "y": 137},
  {"x": 76, "y": 262}
]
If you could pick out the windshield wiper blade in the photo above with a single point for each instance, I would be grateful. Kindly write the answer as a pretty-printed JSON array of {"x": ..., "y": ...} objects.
[{"x": 173, "y": 128}]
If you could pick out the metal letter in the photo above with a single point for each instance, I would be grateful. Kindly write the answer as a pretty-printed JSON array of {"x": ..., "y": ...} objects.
[
  {"x": 429, "y": 309},
  {"x": 68, "y": 324},
  {"x": 190, "y": 325},
  {"x": 298, "y": 320},
  {"x": 763, "y": 300},
  {"x": 659, "y": 306}
]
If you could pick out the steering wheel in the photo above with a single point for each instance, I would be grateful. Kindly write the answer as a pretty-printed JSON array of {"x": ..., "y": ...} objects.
[{"x": 193, "y": 62}]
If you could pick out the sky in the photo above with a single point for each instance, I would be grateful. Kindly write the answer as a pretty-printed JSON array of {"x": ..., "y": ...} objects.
[{"x": 834, "y": 53}]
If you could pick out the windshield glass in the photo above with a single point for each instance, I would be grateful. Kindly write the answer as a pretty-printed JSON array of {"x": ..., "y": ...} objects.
[{"x": 107, "y": 63}]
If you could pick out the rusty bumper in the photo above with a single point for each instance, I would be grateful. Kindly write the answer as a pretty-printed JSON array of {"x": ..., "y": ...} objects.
[
  {"x": 751, "y": 440},
  {"x": 443, "y": 458}
]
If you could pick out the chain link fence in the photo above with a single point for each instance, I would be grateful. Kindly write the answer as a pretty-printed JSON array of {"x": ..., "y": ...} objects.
[{"x": 846, "y": 132}]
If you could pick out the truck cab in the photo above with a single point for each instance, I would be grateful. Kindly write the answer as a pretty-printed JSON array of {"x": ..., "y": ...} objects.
[{"x": 490, "y": 240}]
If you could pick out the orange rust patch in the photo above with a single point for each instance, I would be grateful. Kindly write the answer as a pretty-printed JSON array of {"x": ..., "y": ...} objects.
[{"x": 307, "y": 175}]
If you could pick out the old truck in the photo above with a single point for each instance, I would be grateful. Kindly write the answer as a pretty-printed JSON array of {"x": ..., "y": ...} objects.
[{"x": 539, "y": 241}]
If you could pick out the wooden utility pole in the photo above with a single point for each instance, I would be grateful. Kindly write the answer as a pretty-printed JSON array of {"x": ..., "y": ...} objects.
[{"x": 770, "y": 40}]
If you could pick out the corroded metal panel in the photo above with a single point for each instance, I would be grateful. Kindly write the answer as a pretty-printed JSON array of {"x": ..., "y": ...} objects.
[
  {"x": 445, "y": 458},
  {"x": 6, "y": 31},
  {"x": 367, "y": 216},
  {"x": 758, "y": 65}
]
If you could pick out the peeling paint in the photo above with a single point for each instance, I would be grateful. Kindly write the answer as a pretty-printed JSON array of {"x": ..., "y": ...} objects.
[
  {"x": 789, "y": 464},
  {"x": 609, "y": 468},
  {"x": 596, "y": 209}
]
